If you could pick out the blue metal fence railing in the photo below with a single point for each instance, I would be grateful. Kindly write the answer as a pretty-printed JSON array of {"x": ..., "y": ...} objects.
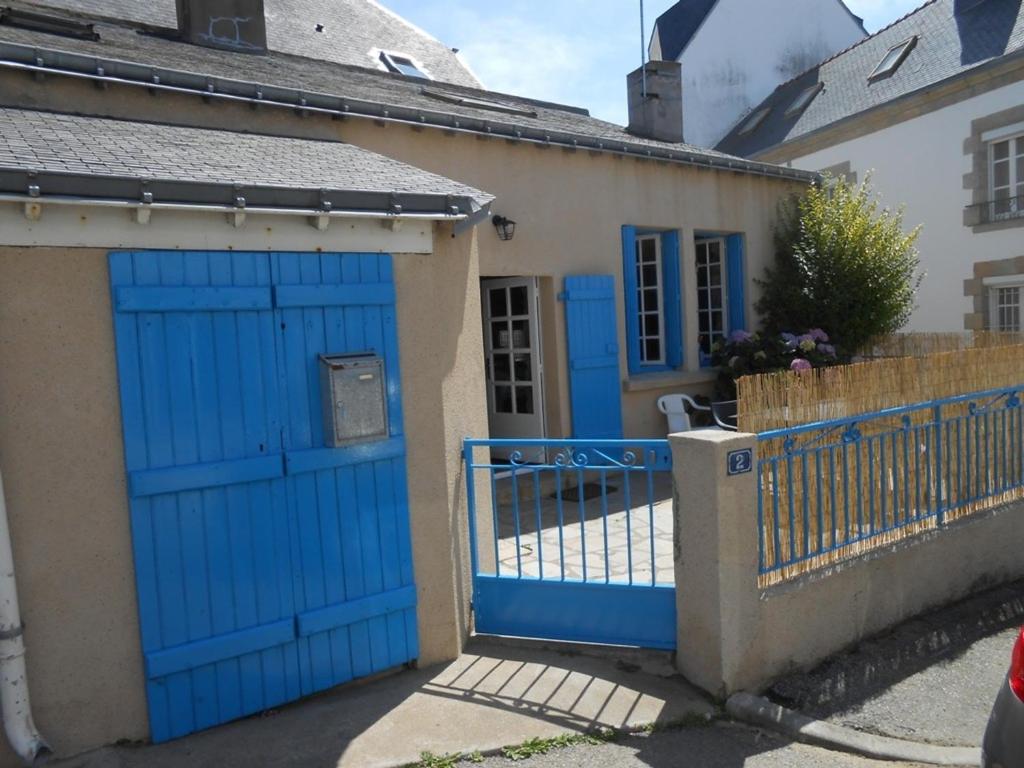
[
  {"x": 833, "y": 489},
  {"x": 572, "y": 539}
]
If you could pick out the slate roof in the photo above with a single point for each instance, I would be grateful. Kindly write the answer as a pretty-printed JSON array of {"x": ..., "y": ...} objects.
[
  {"x": 95, "y": 157},
  {"x": 124, "y": 53},
  {"x": 954, "y": 37},
  {"x": 351, "y": 28},
  {"x": 677, "y": 26}
]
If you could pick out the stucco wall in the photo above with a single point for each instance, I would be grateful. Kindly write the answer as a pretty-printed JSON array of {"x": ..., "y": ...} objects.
[
  {"x": 734, "y": 636},
  {"x": 744, "y": 50},
  {"x": 61, "y": 455},
  {"x": 570, "y": 207},
  {"x": 921, "y": 164},
  {"x": 63, "y": 464}
]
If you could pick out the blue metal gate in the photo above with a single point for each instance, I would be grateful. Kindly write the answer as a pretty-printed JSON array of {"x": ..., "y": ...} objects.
[
  {"x": 268, "y": 567},
  {"x": 578, "y": 547}
]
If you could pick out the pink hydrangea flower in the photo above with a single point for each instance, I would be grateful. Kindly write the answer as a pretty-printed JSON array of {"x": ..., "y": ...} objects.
[{"x": 799, "y": 364}]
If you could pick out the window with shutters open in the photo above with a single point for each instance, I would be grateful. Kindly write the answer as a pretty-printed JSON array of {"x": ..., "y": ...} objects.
[{"x": 651, "y": 279}]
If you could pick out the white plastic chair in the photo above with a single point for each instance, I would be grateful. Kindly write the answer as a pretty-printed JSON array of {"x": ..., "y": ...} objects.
[{"x": 674, "y": 408}]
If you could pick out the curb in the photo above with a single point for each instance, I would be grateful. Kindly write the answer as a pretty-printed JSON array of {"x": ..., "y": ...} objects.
[{"x": 760, "y": 711}]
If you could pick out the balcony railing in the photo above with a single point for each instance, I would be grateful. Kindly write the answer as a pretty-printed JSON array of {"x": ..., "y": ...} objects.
[{"x": 995, "y": 210}]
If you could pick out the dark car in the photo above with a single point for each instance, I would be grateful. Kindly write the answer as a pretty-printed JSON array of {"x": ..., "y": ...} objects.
[{"x": 1004, "y": 738}]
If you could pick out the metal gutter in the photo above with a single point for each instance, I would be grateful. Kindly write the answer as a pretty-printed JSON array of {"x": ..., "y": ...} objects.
[
  {"x": 25, "y": 185},
  {"x": 230, "y": 209},
  {"x": 41, "y": 62}
]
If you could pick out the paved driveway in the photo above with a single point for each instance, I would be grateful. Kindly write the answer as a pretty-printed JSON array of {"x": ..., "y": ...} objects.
[{"x": 603, "y": 536}]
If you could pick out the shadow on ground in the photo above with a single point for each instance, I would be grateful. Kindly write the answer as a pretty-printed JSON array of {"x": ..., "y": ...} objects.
[
  {"x": 927, "y": 644},
  {"x": 494, "y": 695}
]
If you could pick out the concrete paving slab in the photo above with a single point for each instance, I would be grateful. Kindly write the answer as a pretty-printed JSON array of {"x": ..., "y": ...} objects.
[{"x": 494, "y": 695}]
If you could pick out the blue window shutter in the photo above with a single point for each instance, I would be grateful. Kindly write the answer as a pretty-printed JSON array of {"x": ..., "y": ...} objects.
[
  {"x": 672, "y": 296},
  {"x": 632, "y": 307},
  {"x": 736, "y": 283},
  {"x": 595, "y": 386}
]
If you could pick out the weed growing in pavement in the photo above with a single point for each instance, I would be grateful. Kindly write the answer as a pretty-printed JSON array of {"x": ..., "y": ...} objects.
[
  {"x": 430, "y": 760},
  {"x": 534, "y": 747},
  {"x": 689, "y": 720}
]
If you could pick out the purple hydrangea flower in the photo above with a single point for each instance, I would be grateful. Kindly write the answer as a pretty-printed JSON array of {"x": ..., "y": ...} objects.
[
  {"x": 818, "y": 335},
  {"x": 738, "y": 337},
  {"x": 827, "y": 349},
  {"x": 799, "y": 364}
]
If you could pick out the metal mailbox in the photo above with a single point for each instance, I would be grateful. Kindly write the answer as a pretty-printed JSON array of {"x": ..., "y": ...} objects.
[{"x": 354, "y": 396}]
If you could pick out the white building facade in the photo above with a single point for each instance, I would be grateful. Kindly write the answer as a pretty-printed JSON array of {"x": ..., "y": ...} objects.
[
  {"x": 735, "y": 52},
  {"x": 933, "y": 108}
]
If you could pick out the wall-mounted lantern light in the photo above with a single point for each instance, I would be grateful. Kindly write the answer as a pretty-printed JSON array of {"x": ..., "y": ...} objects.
[{"x": 506, "y": 228}]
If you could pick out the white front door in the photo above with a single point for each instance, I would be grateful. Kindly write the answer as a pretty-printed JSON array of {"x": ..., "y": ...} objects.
[{"x": 515, "y": 397}]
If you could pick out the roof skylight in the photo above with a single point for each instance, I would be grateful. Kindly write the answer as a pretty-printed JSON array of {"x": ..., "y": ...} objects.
[
  {"x": 402, "y": 65},
  {"x": 805, "y": 97},
  {"x": 755, "y": 120},
  {"x": 893, "y": 58}
]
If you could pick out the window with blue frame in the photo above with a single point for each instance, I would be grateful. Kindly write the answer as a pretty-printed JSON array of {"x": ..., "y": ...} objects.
[
  {"x": 721, "y": 304},
  {"x": 711, "y": 295},
  {"x": 650, "y": 267}
]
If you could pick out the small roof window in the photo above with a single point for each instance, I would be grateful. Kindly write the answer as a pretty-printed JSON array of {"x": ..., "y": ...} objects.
[
  {"x": 755, "y": 120},
  {"x": 893, "y": 58},
  {"x": 402, "y": 65},
  {"x": 801, "y": 102}
]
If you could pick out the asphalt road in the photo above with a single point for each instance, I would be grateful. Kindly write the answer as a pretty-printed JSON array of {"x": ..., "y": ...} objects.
[
  {"x": 723, "y": 745},
  {"x": 947, "y": 703},
  {"x": 932, "y": 679}
]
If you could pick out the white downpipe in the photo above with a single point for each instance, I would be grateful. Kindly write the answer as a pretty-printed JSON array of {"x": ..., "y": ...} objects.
[{"x": 14, "y": 700}]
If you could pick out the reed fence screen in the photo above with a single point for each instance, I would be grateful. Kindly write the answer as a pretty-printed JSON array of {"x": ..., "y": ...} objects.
[{"x": 857, "y": 457}]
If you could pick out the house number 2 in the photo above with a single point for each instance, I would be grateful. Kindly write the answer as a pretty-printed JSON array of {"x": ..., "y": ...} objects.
[{"x": 740, "y": 462}]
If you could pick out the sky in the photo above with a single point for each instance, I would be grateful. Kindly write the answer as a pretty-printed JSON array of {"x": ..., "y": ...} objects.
[{"x": 568, "y": 51}]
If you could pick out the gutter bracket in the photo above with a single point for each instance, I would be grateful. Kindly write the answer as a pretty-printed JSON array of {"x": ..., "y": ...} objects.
[
  {"x": 322, "y": 220},
  {"x": 237, "y": 217},
  {"x": 33, "y": 208},
  {"x": 144, "y": 212}
]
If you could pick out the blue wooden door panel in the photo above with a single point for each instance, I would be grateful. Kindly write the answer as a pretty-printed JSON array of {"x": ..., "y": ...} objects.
[
  {"x": 354, "y": 534},
  {"x": 595, "y": 386},
  {"x": 242, "y": 523}
]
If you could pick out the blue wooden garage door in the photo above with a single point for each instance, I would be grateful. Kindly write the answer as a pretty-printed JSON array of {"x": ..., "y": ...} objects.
[{"x": 268, "y": 567}]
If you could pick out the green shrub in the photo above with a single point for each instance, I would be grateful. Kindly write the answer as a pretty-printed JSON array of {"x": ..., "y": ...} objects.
[{"x": 842, "y": 264}]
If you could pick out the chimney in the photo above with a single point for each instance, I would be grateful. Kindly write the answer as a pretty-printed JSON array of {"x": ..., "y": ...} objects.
[
  {"x": 234, "y": 25},
  {"x": 658, "y": 112}
]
